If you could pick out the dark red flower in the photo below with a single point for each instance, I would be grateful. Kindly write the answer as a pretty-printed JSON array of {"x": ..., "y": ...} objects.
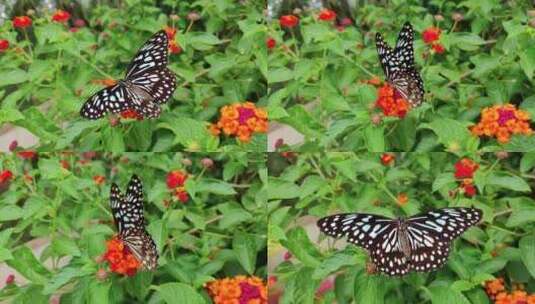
[
  {"x": 176, "y": 178},
  {"x": 10, "y": 279},
  {"x": 171, "y": 32},
  {"x": 288, "y": 21},
  {"x": 387, "y": 158},
  {"x": 4, "y": 45},
  {"x": 271, "y": 43},
  {"x": 131, "y": 114},
  {"x": 207, "y": 162},
  {"x": 346, "y": 21},
  {"x": 27, "y": 154},
  {"x": 431, "y": 35},
  {"x": 79, "y": 23},
  {"x": 181, "y": 194},
  {"x": 174, "y": 48},
  {"x": 22, "y": 21},
  {"x": 438, "y": 48},
  {"x": 61, "y": 16},
  {"x": 327, "y": 15},
  {"x": 5, "y": 176},
  {"x": 287, "y": 255},
  {"x": 64, "y": 164},
  {"x": 469, "y": 190},
  {"x": 465, "y": 168},
  {"x": 13, "y": 145}
]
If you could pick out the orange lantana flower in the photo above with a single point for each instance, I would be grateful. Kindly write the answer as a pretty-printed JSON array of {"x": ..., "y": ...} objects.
[
  {"x": 502, "y": 121},
  {"x": 402, "y": 199},
  {"x": 241, "y": 120},
  {"x": 239, "y": 290},
  {"x": 120, "y": 259},
  {"x": 391, "y": 102}
]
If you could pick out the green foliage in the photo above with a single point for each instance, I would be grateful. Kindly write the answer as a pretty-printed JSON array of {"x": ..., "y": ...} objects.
[
  {"x": 220, "y": 231},
  {"x": 313, "y": 185},
  {"x": 323, "y": 68},
  {"x": 49, "y": 72}
]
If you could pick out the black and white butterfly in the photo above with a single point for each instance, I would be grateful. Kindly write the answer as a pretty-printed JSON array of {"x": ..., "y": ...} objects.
[
  {"x": 398, "y": 65},
  {"x": 130, "y": 222},
  {"x": 147, "y": 84},
  {"x": 398, "y": 246}
]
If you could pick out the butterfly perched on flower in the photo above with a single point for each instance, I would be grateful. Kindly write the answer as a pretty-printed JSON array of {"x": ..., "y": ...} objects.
[
  {"x": 397, "y": 246},
  {"x": 130, "y": 222},
  {"x": 398, "y": 65},
  {"x": 148, "y": 84}
]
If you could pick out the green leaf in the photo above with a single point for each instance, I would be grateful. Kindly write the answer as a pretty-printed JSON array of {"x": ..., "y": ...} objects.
[
  {"x": 215, "y": 186},
  {"x": 521, "y": 216},
  {"x": 50, "y": 168},
  {"x": 333, "y": 263},
  {"x": 375, "y": 139},
  {"x": 301, "y": 247},
  {"x": 369, "y": 289},
  {"x": 10, "y": 115},
  {"x": 173, "y": 292},
  {"x": 443, "y": 180},
  {"x": 99, "y": 292},
  {"x": 10, "y": 213},
  {"x": 63, "y": 277},
  {"x": 527, "y": 61},
  {"x": 5, "y": 254},
  {"x": 28, "y": 266},
  {"x": 453, "y": 134},
  {"x": 527, "y": 253},
  {"x": 13, "y": 76},
  {"x": 65, "y": 246},
  {"x": 446, "y": 295},
  {"x": 191, "y": 133},
  {"x": 511, "y": 182},
  {"x": 280, "y": 75},
  {"x": 300, "y": 288},
  {"x": 281, "y": 189},
  {"x": 244, "y": 247}
]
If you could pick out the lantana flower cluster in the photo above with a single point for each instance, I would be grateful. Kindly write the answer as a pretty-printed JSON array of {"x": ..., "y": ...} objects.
[
  {"x": 238, "y": 290},
  {"x": 175, "y": 181},
  {"x": 502, "y": 121},
  {"x": 120, "y": 259},
  {"x": 391, "y": 102},
  {"x": 174, "y": 48},
  {"x": 498, "y": 294},
  {"x": 464, "y": 173},
  {"x": 431, "y": 36},
  {"x": 241, "y": 120}
]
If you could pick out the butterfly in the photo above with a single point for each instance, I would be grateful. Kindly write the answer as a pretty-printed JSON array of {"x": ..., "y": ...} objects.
[
  {"x": 398, "y": 65},
  {"x": 397, "y": 246},
  {"x": 130, "y": 222},
  {"x": 147, "y": 84}
]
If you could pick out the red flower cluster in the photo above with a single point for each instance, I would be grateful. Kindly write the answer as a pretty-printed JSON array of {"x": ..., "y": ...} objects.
[
  {"x": 131, "y": 114},
  {"x": 288, "y": 21},
  {"x": 4, "y": 45},
  {"x": 271, "y": 43},
  {"x": 5, "y": 177},
  {"x": 237, "y": 290},
  {"x": 431, "y": 36},
  {"x": 464, "y": 171},
  {"x": 174, "y": 48},
  {"x": 496, "y": 291},
  {"x": 175, "y": 181},
  {"x": 387, "y": 159},
  {"x": 22, "y": 21},
  {"x": 391, "y": 102},
  {"x": 502, "y": 121},
  {"x": 120, "y": 259},
  {"x": 327, "y": 15},
  {"x": 99, "y": 179},
  {"x": 61, "y": 16},
  {"x": 27, "y": 154}
]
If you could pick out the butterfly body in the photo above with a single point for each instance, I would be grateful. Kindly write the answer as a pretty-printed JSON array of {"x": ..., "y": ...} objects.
[
  {"x": 398, "y": 65},
  {"x": 147, "y": 84},
  {"x": 398, "y": 246},
  {"x": 128, "y": 216}
]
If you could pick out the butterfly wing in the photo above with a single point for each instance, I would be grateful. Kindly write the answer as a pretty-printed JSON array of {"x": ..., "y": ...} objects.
[
  {"x": 111, "y": 99},
  {"x": 142, "y": 247},
  {"x": 127, "y": 210},
  {"x": 398, "y": 65},
  {"x": 430, "y": 234},
  {"x": 404, "y": 51},
  {"x": 152, "y": 55},
  {"x": 160, "y": 85},
  {"x": 360, "y": 228}
]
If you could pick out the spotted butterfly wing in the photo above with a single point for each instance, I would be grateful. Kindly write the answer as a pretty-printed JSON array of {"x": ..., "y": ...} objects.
[
  {"x": 128, "y": 215},
  {"x": 398, "y": 65},
  {"x": 148, "y": 83},
  {"x": 396, "y": 247}
]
